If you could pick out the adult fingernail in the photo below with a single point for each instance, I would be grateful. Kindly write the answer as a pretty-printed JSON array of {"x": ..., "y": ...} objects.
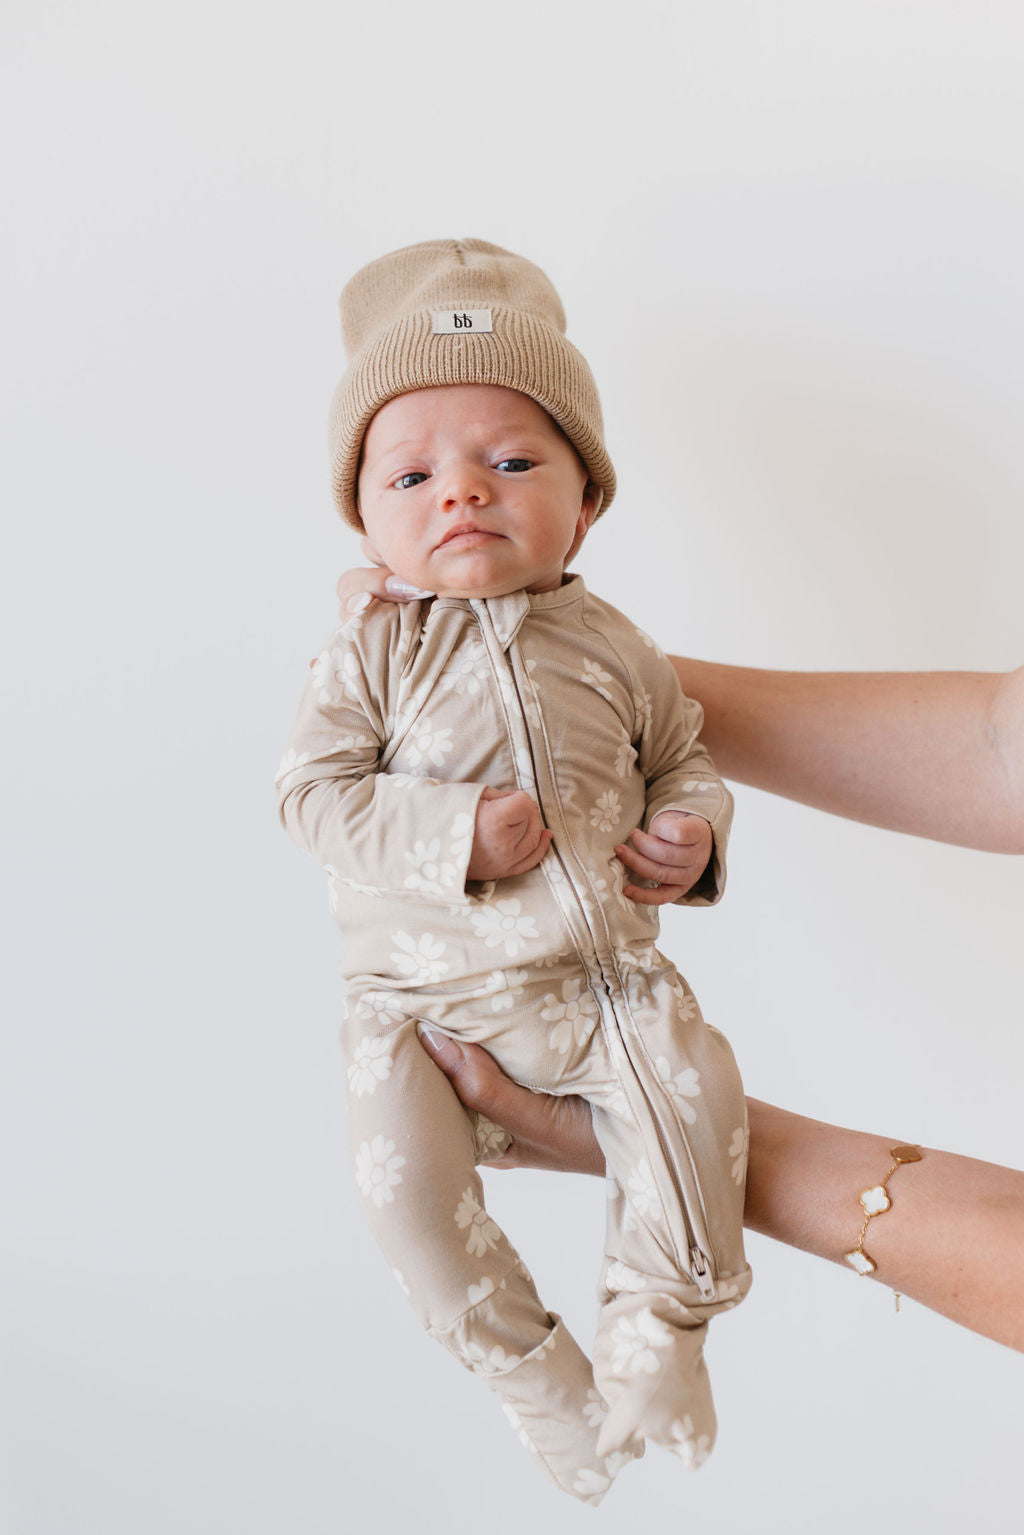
[
  {"x": 396, "y": 587},
  {"x": 359, "y": 603}
]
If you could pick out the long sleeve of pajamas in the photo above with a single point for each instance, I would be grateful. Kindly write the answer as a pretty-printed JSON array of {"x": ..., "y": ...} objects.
[{"x": 408, "y": 713}]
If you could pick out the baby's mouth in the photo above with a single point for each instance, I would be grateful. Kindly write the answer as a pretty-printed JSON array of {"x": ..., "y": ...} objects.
[{"x": 467, "y": 536}]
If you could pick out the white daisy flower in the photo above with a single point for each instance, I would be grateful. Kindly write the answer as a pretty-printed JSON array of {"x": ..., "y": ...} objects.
[
  {"x": 641, "y": 957},
  {"x": 468, "y": 671},
  {"x": 643, "y": 707},
  {"x": 738, "y": 1148},
  {"x": 427, "y": 742},
  {"x": 483, "y": 1234},
  {"x": 684, "y": 1085},
  {"x": 595, "y": 1408},
  {"x": 635, "y": 1343},
  {"x": 334, "y": 674},
  {"x": 429, "y": 874},
  {"x": 419, "y": 958},
  {"x": 372, "y": 1064},
  {"x": 590, "y": 1484},
  {"x": 503, "y": 922},
  {"x": 506, "y": 987},
  {"x": 606, "y": 813},
  {"x": 686, "y": 1004},
  {"x": 408, "y": 706},
  {"x": 406, "y": 780},
  {"x": 574, "y": 1016},
  {"x": 643, "y": 1194},
  {"x": 377, "y": 1170},
  {"x": 351, "y": 743},
  {"x": 490, "y": 1139},
  {"x": 619, "y": 1278},
  {"x": 597, "y": 678},
  {"x": 382, "y": 1006},
  {"x": 625, "y": 758},
  {"x": 489, "y": 1361},
  {"x": 651, "y": 644},
  {"x": 291, "y": 762},
  {"x": 693, "y": 1449}
]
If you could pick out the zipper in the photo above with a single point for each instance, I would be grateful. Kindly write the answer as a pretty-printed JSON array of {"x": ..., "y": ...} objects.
[
  {"x": 700, "y": 1268},
  {"x": 700, "y": 1263}
]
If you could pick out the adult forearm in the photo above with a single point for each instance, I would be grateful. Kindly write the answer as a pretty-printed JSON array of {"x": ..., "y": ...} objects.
[
  {"x": 935, "y": 754},
  {"x": 952, "y": 1240}
]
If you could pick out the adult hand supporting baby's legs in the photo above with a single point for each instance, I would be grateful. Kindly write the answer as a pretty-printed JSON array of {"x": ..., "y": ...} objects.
[
  {"x": 414, "y": 1154},
  {"x": 802, "y": 1186},
  {"x": 556, "y": 1133}
]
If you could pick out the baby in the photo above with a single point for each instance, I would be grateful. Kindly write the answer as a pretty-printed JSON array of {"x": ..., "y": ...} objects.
[{"x": 468, "y": 768}]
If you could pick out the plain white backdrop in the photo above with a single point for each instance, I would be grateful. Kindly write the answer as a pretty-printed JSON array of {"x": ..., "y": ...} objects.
[{"x": 789, "y": 239}]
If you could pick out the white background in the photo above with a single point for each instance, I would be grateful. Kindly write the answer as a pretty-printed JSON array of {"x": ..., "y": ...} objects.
[{"x": 789, "y": 240}]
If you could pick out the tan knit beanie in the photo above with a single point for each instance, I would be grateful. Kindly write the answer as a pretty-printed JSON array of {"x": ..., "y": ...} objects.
[{"x": 458, "y": 312}]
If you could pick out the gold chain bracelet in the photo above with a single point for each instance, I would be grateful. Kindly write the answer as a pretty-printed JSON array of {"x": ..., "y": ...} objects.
[{"x": 876, "y": 1201}]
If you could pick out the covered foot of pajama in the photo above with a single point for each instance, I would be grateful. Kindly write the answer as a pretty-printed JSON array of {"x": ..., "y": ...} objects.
[
  {"x": 649, "y": 1366},
  {"x": 550, "y": 1400}
]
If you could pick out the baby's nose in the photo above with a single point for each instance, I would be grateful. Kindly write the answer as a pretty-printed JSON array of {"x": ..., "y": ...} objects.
[{"x": 463, "y": 485}]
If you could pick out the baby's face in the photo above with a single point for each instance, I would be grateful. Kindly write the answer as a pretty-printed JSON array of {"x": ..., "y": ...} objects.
[{"x": 471, "y": 490}]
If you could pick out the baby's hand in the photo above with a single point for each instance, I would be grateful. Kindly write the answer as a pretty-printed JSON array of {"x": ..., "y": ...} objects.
[
  {"x": 509, "y": 838},
  {"x": 675, "y": 852}
]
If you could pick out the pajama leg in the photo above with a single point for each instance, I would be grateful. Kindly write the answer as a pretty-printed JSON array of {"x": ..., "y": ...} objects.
[
  {"x": 415, "y": 1153},
  {"x": 648, "y": 1355}
]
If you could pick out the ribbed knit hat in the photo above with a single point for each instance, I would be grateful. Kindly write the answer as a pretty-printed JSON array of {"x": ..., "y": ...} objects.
[{"x": 458, "y": 312}]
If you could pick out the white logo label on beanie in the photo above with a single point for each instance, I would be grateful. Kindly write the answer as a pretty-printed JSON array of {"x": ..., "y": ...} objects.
[{"x": 452, "y": 322}]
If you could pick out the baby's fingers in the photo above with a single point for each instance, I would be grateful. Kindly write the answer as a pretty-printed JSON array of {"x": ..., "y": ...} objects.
[
  {"x": 660, "y": 868},
  {"x": 670, "y": 854},
  {"x": 531, "y": 859}
]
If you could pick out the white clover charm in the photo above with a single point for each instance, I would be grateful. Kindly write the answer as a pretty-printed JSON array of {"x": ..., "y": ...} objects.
[{"x": 875, "y": 1201}]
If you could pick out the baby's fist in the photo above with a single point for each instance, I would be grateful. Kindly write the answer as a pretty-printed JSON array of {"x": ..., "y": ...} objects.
[
  {"x": 509, "y": 838},
  {"x": 674, "y": 853}
]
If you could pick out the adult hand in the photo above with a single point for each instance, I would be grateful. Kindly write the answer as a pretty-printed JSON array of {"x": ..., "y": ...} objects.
[
  {"x": 801, "y": 1189},
  {"x": 358, "y": 588},
  {"x": 550, "y": 1132}
]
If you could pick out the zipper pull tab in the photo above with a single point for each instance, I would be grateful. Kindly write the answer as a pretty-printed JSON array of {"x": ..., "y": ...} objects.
[{"x": 701, "y": 1271}]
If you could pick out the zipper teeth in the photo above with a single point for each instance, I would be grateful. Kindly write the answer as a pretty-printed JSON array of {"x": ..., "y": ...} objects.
[
  {"x": 698, "y": 1261},
  {"x": 693, "y": 1241}
]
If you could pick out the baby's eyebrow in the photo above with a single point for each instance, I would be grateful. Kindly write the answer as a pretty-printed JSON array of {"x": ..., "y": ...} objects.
[{"x": 407, "y": 442}]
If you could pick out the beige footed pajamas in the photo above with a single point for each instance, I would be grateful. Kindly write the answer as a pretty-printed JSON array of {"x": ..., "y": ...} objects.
[{"x": 408, "y": 713}]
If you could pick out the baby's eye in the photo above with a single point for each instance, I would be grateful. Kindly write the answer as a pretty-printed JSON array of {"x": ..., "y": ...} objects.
[
  {"x": 407, "y": 481},
  {"x": 515, "y": 465}
]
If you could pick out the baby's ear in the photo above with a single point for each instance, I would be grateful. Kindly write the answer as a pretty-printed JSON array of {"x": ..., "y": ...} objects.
[
  {"x": 593, "y": 495},
  {"x": 589, "y": 507}
]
